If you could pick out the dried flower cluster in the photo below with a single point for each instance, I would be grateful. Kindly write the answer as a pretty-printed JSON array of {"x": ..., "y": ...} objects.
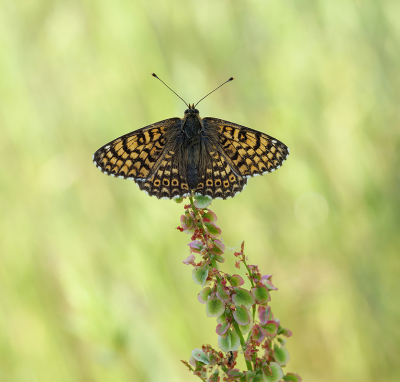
[{"x": 238, "y": 311}]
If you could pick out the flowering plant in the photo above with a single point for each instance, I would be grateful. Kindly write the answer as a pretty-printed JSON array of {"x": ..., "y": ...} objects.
[{"x": 239, "y": 311}]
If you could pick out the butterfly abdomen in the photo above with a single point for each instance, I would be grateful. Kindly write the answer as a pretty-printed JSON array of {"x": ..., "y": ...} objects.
[{"x": 192, "y": 130}]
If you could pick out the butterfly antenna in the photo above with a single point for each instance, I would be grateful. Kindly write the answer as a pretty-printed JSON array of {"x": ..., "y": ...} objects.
[
  {"x": 230, "y": 79},
  {"x": 155, "y": 75}
]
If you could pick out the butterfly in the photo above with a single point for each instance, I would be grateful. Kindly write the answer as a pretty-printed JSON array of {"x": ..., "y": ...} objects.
[{"x": 176, "y": 157}]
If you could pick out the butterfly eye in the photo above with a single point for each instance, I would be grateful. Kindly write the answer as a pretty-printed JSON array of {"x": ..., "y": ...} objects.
[
  {"x": 196, "y": 111},
  {"x": 186, "y": 111}
]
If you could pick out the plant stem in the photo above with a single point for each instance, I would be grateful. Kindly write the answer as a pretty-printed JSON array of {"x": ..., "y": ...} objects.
[{"x": 237, "y": 329}]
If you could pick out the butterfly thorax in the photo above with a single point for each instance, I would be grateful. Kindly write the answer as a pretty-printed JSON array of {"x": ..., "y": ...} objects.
[{"x": 191, "y": 128}]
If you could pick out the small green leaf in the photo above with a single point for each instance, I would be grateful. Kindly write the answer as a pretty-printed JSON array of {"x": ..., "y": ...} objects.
[
  {"x": 222, "y": 318},
  {"x": 246, "y": 328},
  {"x": 292, "y": 377},
  {"x": 271, "y": 328},
  {"x": 200, "y": 356},
  {"x": 236, "y": 281},
  {"x": 201, "y": 201},
  {"x": 261, "y": 295},
  {"x": 277, "y": 373},
  {"x": 223, "y": 294},
  {"x": 230, "y": 342},
  {"x": 281, "y": 355},
  {"x": 200, "y": 275},
  {"x": 212, "y": 229},
  {"x": 243, "y": 297},
  {"x": 241, "y": 315},
  {"x": 221, "y": 329},
  {"x": 210, "y": 216},
  {"x": 214, "y": 307},
  {"x": 203, "y": 295}
]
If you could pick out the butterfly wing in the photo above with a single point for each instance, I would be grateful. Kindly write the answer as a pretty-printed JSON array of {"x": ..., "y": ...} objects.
[
  {"x": 248, "y": 152},
  {"x": 216, "y": 178},
  {"x": 136, "y": 155},
  {"x": 169, "y": 181}
]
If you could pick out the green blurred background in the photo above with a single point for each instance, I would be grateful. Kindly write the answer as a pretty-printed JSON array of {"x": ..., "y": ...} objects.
[{"x": 92, "y": 285}]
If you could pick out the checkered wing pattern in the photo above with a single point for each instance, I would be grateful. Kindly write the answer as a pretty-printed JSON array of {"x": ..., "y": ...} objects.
[
  {"x": 248, "y": 152},
  {"x": 169, "y": 180},
  {"x": 138, "y": 154},
  {"x": 216, "y": 177}
]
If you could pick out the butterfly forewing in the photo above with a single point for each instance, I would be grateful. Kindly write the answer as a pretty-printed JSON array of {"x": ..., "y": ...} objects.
[
  {"x": 134, "y": 155},
  {"x": 249, "y": 151}
]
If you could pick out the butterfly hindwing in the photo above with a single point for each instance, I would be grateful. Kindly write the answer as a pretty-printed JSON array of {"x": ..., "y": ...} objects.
[
  {"x": 167, "y": 181},
  {"x": 216, "y": 178},
  {"x": 249, "y": 152},
  {"x": 135, "y": 155}
]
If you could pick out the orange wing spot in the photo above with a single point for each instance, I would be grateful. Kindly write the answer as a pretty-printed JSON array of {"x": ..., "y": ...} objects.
[
  {"x": 124, "y": 169},
  {"x": 157, "y": 182},
  {"x": 278, "y": 156},
  {"x": 137, "y": 165},
  {"x": 269, "y": 164},
  {"x": 113, "y": 160},
  {"x": 249, "y": 161},
  {"x": 242, "y": 152},
  {"x": 120, "y": 163},
  {"x": 273, "y": 149},
  {"x": 143, "y": 155},
  {"x": 265, "y": 158},
  {"x": 184, "y": 186},
  {"x": 253, "y": 169},
  {"x": 270, "y": 155},
  {"x": 209, "y": 182},
  {"x": 118, "y": 146},
  {"x": 256, "y": 159},
  {"x": 174, "y": 182},
  {"x": 200, "y": 186},
  {"x": 133, "y": 172},
  {"x": 226, "y": 183},
  {"x": 143, "y": 173},
  {"x": 128, "y": 163},
  {"x": 251, "y": 152},
  {"x": 104, "y": 161},
  {"x": 108, "y": 168},
  {"x": 264, "y": 141},
  {"x": 243, "y": 169},
  {"x": 232, "y": 178},
  {"x": 134, "y": 155},
  {"x": 109, "y": 154}
]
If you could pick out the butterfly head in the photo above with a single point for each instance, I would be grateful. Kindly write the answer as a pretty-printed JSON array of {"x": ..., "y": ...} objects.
[{"x": 191, "y": 110}]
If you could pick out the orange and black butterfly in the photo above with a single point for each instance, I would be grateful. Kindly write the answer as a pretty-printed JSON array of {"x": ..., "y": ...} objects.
[{"x": 208, "y": 156}]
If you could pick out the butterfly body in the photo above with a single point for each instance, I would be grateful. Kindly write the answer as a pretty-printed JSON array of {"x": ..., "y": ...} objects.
[{"x": 208, "y": 156}]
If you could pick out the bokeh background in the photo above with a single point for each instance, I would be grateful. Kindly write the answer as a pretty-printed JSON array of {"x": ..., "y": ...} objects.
[{"x": 92, "y": 285}]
